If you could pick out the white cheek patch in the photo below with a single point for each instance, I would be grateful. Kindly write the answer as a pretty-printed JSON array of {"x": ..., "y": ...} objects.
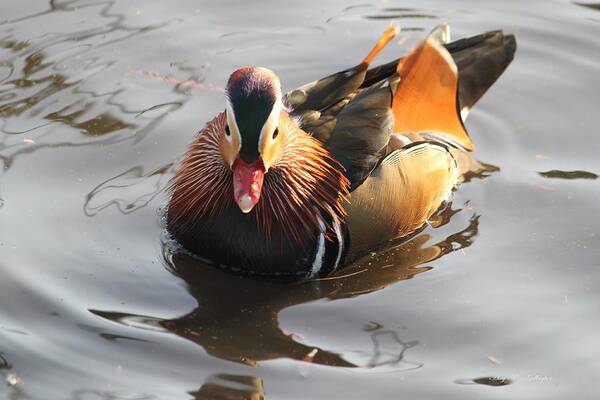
[
  {"x": 317, "y": 263},
  {"x": 232, "y": 123},
  {"x": 340, "y": 238},
  {"x": 270, "y": 124}
]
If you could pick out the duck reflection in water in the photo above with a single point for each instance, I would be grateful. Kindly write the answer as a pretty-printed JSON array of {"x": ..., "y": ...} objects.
[
  {"x": 230, "y": 387},
  {"x": 241, "y": 324}
]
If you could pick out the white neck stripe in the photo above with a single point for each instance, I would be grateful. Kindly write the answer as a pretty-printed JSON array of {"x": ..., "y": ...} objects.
[{"x": 320, "y": 254}]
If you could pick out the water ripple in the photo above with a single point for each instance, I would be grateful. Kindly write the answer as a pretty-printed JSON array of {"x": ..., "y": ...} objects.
[
  {"x": 128, "y": 191},
  {"x": 558, "y": 174}
]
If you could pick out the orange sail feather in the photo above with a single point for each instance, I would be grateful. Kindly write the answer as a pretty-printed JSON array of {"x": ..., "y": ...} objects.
[{"x": 425, "y": 99}]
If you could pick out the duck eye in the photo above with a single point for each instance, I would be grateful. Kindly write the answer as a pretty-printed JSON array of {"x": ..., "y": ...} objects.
[
  {"x": 227, "y": 133},
  {"x": 275, "y": 133}
]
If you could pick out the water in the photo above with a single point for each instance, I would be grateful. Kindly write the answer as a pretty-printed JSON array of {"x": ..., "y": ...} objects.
[{"x": 98, "y": 100}]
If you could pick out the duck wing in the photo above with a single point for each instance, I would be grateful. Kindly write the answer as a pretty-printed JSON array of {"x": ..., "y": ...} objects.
[
  {"x": 357, "y": 111},
  {"x": 362, "y": 131},
  {"x": 322, "y": 94},
  {"x": 401, "y": 194},
  {"x": 425, "y": 157}
]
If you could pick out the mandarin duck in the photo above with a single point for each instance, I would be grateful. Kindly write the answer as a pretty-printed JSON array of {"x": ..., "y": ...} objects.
[{"x": 294, "y": 186}]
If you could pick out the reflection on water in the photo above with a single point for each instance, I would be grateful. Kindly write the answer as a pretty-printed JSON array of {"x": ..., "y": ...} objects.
[
  {"x": 593, "y": 6},
  {"x": 11, "y": 380},
  {"x": 41, "y": 69},
  {"x": 4, "y": 364},
  {"x": 40, "y": 78},
  {"x": 108, "y": 395},
  {"x": 398, "y": 14},
  {"x": 230, "y": 387},
  {"x": 237, "y": 318},
  {"x": 389, "y": 351},
  {"x": 568, "y": 174},
  {"x": 486, "y": 380},
  {"x": 392, "y": 14},
  {"x": 51, "y": 81},
  {"x": 129, "y": 190}
]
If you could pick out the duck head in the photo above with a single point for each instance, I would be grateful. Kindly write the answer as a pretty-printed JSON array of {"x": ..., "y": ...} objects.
[
  {"x": 251, "y": 144},
  {"x": 254, "y": 159}
]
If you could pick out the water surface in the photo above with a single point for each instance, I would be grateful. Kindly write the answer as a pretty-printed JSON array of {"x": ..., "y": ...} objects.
[{"x": 98, "y": 99}]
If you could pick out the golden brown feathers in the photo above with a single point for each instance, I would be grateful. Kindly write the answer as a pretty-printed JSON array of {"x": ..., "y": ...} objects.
[
  {"x": 306, "y": 179},
  {"x": 202, "y": 187}
]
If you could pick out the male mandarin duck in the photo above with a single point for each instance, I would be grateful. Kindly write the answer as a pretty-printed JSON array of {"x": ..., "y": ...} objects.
[{"x": 283, "y": 186}]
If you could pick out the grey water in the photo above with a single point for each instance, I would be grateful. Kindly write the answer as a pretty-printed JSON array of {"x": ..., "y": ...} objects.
[{"x": 497, "y": 299}]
